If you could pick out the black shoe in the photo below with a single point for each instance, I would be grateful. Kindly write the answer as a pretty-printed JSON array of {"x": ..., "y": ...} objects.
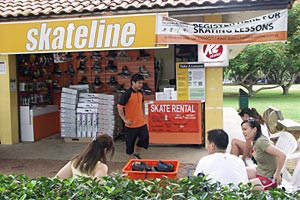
[
  {"x": 81, "y": 56},
  {"x": 111, "y": 54},
  {"x": 96, "y": 55},
  {"x": 97, "y": 82},
  {"x": 125, "y": 72},
  {"x": 56, "y": 70},
  {"x": 83, "y": 81},
  {"x": 68, "y": 57},
  {"x": 113, "y": 82},
  {"x": 70, "y": 70},
  {"x": 82, "y": 68},
  {"x": 96, "y": 67},
  {"x": 143, "y": 55},
  {"x": 137, "y": 156},
  {"x": 146, "y": 90},
  {"x": 111, "y": 66}
]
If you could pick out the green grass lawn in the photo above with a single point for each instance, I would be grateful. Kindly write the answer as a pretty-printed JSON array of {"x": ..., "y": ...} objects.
[{"x": 288, "y": 104}]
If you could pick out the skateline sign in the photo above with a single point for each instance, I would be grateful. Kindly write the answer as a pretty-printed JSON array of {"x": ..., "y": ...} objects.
[{"x": 79, "y": 34}]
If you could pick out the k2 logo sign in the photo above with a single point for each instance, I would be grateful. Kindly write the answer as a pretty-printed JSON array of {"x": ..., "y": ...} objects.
[
  {"x": 213, "y": 55},
  {"x": 212, "y": 51}
]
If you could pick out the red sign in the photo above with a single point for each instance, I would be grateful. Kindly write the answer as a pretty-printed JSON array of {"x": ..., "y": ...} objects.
[
  {"x": 173, "y": 117},
  {"x": 212, "y": 51}
]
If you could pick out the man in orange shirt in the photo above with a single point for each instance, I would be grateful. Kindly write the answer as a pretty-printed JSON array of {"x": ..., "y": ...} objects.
[{"x": 131, "y": 110}]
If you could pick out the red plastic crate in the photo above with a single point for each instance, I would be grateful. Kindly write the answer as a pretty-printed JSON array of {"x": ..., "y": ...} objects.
[{"x": 127, "y": 169}]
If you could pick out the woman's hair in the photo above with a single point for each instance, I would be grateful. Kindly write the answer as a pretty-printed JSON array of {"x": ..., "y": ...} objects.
[
  {"x": 94, "y": 152},
  {"x": 252, "y": 113},
  {"x": 254, "y": 123}
]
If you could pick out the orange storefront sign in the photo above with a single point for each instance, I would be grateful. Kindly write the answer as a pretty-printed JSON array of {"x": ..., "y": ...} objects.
[
  {"x": 175, "y": 122},
  {"x": 173, "y": 117}
]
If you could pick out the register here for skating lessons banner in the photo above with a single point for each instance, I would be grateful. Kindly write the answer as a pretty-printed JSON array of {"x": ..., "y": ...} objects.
[
  {"x": 173, "y": 116},
  {"x": 265, "y": 28}
]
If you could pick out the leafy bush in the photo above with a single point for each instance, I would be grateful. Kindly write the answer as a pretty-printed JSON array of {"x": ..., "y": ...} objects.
[{"x": 118, "y": 187}]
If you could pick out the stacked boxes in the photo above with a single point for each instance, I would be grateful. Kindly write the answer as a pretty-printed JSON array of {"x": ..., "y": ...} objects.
[
  {"x": 68, "y": 103},
  {"x": 97, "y": 113},
  {"x": 88, "y": 115},
  {"x": 108, "y": 115},
  {"x": 84, "y": 115}
]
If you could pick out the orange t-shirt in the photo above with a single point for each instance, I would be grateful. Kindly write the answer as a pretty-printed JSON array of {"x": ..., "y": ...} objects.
[{"x": 132, "y": 103}]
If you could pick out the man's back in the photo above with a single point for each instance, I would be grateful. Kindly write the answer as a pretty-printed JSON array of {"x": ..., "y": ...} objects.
[{"x": 223, "y": 167}]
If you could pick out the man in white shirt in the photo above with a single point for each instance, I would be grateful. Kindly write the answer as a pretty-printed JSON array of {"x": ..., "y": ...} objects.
[{"x": 220, "y": 166}]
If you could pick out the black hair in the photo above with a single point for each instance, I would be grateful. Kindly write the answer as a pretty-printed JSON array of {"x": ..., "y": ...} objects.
[
  {"x": 252, "y": 113},
  {"x": 254, "y": 123},
  {"x": 136, "y": 77},
  {"x": 219, "y": 137}
]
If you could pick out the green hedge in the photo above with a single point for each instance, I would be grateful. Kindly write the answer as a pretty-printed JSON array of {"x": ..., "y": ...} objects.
[{"x": 118, "y": 187}]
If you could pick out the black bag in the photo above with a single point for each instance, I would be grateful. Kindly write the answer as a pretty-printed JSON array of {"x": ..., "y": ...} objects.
[
  {"x": 140, "y": 166},
  {"x": 163, "y": 167}
]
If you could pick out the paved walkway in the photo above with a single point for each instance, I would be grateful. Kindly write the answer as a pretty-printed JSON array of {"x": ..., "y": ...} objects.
[{"x": 55, "y": 148}]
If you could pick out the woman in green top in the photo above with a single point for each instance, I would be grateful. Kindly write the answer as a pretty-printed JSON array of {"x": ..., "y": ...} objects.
[
  {"x": 270, "y": 159},
  {"x": 92, "y": 161}
]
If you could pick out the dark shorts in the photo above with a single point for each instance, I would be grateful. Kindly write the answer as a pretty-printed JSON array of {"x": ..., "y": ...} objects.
[
  {"x": 266, "y": 182},
  {"x": 131, "y": 136}
]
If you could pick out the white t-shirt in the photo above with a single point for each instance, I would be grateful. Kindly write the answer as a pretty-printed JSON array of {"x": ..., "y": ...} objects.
[{"x": 223, "y": 167}]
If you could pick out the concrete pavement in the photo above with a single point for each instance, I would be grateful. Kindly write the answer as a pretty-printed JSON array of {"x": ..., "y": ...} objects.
[{"x": 56, "y": 148}]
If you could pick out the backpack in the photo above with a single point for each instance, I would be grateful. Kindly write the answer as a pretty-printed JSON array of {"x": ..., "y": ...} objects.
[{"x": 163, "y": 167}]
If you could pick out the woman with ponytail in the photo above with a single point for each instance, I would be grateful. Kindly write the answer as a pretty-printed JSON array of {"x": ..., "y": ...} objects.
[
  {"x": 245, "y": 148},
  {"x": 92, "y": 162}
]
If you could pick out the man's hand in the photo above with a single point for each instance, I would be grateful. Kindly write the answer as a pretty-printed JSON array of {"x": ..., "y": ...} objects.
[{"x": 128, "y": 122}]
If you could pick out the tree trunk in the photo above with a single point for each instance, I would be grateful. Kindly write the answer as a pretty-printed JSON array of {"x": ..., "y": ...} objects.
[{"x": 286, "y": 88}]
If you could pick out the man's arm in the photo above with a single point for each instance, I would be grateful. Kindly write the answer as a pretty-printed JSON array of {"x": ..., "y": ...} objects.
[{"x": 122, "y": 115}]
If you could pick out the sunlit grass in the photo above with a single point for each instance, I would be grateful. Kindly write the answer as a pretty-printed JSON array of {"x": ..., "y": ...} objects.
[{"x": 288, "y": 104}]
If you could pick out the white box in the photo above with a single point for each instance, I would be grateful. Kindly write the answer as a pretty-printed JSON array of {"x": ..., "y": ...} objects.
[
  {"x": 79, "y": 125},
  {"x": 69, "y": 90},
  {"x": 84, "y": 125},
  {"x": 87, "y": 110},
  {"x": 95, "y": 124},
  {"x": 89, "y": 95},
  {"x": 88, "y": 105},
  {"x": 69, "y": 96},
  {"x": 89, "y": 123}
]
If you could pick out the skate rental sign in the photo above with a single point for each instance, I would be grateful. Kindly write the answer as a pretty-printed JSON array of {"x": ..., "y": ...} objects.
[
  {"x": 174, "y": 116},
  {"x": 266, "y": 28},
  {"x": 79, "y": 34}
]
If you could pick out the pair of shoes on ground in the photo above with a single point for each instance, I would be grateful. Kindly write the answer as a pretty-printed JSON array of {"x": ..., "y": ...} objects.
[{"x": 137, "y": 156}]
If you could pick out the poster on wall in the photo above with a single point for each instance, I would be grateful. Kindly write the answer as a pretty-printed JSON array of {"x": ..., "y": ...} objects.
[
  {"x": 213, "y": 55},
  {"x": 173, "y": 116},
  {"x": 2, "y": 68},
  {"x": 190, "y": 81}
]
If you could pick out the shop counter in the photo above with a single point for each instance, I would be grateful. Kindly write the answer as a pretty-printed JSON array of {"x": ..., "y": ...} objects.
[{"x": 38, "y": 122}]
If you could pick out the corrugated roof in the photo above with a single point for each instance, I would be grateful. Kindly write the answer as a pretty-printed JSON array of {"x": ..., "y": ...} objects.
[{"x": 14, "y": 9}]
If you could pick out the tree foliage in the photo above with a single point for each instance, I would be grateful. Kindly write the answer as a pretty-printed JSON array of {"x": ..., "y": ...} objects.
[{"x": 277, "y": 62}]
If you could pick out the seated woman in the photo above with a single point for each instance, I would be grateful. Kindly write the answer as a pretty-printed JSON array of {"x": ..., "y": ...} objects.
[
  {"x": 270, "y": 159},
  {"x": 92, "y": 161},
  {"x": 244, "y": 148}
]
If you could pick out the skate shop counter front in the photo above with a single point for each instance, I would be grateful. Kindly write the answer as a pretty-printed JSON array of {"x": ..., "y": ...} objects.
[{"x": 175, "y": 122}]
